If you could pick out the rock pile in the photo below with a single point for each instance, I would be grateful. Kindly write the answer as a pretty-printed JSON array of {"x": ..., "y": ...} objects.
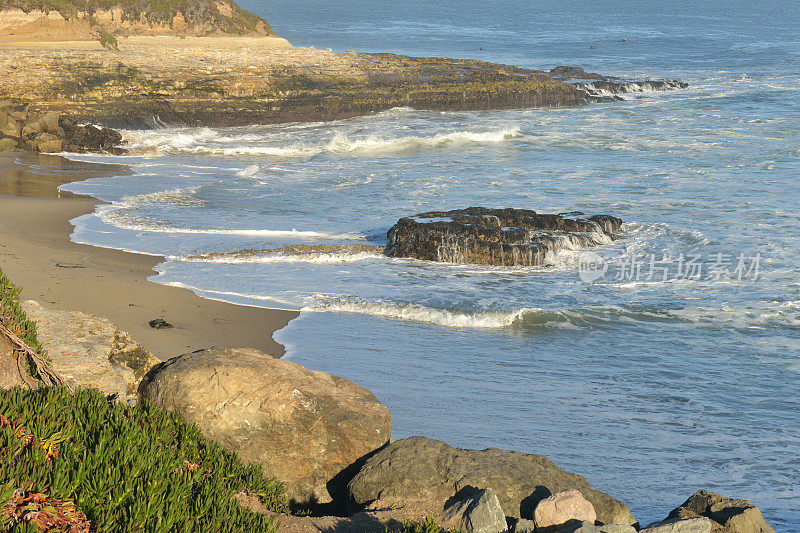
[
  {"x": 709, "y": 511},
  {"x": 22, "y": 128},
  {"x": 500, "y": 237}
]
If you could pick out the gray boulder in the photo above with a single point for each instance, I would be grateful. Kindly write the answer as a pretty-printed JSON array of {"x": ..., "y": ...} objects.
[
  {"x": 523, "y": 525},
  {"x": 478, "y": 513},
  {"x": 420, "y": 469},
  {"x": 680, "y": 525},
  {"x": 303, "y": 427},
  {"x": 616, "y": 528},
  {"x": 728, "y": 515},
  {"x": 574, "y": 526},
  {"x": 585, "y": 526}
]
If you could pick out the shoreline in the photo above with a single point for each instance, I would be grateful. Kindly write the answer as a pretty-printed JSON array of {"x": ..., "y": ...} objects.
[{"x": 36, "y": 251}]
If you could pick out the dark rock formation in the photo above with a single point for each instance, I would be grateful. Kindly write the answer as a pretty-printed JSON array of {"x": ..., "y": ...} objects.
[
  {"x": 159, "y": 323},
  {"x": 420, "y": 469},
  {"x": 503, "y": 237},
  {"x": 23, "y": 128},
  {"x": 574, "y": 73},
  {"x": 90, "y": 138},
  {"x": 607, "y": 87},
  {"x": 727, "y": 515}
]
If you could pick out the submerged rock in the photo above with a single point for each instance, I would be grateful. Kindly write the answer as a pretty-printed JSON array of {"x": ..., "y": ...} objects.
[
  {"x": 502, "y": 237},
  {"x": 426, "y": 470},
  {"x": 726, "y": 514},
  {"x": 303, "y": 427}
]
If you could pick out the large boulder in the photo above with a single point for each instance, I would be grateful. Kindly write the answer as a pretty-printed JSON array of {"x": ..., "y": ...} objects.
[
  {"x": 501, "y": 237},
  {"x": 90, "y": 351},
  {"x": 303, "y": 427},
  {"x": 421, "y": 469},
  {"x": 727, "y": 515}
]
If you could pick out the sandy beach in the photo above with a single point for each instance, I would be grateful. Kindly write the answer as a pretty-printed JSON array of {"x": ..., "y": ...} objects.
[{"x": 37, "y": 254}]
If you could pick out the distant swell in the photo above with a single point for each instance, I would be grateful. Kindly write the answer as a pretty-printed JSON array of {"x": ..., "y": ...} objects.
[{"x": 211, "y": 142}]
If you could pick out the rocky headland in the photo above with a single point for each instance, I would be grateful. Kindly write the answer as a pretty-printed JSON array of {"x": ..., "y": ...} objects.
[{"x": 213, "y": 64}]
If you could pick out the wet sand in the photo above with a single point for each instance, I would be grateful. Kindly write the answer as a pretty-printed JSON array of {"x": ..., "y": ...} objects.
[{"x": 36, "y": 254}]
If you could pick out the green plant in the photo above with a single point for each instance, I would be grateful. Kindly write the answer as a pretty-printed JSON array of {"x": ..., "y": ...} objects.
[
  {"x": 127, "y": 468},
  {"x": 108, "y": 41},
  {"x": 13, "y": 317},
  {"x": 429, "y": 526}
]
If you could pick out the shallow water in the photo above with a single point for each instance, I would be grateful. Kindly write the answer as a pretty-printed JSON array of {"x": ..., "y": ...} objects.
[{"x": 649, "y": 381}]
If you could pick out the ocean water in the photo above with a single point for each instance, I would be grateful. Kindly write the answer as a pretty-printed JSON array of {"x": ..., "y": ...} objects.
[{"x": 672, "y": 368}]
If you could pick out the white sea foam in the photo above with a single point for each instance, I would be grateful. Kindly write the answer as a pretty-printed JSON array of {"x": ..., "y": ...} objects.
[
  {"x": 208, "y": 142},
  {"x": 528, "y": 318},
  {"x": 417, "y": 312},
  {"x": 249, "y": 171},
  {"x": 320, "y": 258},
  {"x": 172, "y": 197}
]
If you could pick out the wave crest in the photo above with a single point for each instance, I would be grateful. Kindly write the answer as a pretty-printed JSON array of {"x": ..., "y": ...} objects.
[{"x": 209, "y": 142}]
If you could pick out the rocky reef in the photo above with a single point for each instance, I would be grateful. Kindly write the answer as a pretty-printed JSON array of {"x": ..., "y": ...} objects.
[
  {"x": 499, "y": 237},
  {"x": 233, "y": 81},
  {"x": 600, "y": 88}
]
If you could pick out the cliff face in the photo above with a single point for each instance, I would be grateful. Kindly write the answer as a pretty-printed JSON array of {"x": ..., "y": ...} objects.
[{"x": 66, "y": 20}]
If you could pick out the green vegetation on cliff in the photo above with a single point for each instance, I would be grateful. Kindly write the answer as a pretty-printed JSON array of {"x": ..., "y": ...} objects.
[
  {"x": 217, "y": 15},
  {"x": 65, "y": 455},
  {"x": 13, "y": 317}
]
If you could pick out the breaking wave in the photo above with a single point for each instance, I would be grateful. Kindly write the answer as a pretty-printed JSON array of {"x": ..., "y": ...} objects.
[
  {"x": 527, "y": 318},
  {"x": 172, "y": 197},
  {"x": 211, "y": 142}
]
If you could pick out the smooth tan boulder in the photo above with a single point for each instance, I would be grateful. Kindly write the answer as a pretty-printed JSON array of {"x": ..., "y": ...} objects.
[
  {"x": 562, "y": 507},
  {"x": 51, "y": 146},
  {"x": 6, "y": 144},
  {"x": 90, "y": 351},
  {"x": 50, "y": 122},
  {"x": 303, "y": 427}
]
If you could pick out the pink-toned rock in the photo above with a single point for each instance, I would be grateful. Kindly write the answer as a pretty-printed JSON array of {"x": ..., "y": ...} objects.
[{"x": 562, "y": 507}]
